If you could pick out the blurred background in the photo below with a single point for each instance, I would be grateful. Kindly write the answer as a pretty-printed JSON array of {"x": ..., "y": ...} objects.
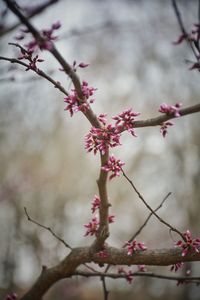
[{"x": 45, "y": 168}]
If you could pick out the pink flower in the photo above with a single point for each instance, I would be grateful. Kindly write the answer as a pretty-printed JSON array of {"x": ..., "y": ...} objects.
[
  {"x": 181, "y": 282},
  {"x": 124, "y": 121},
  {"x": 128, "y": 274},
  {"x": 180, "y": 39},
  {"x": 170, "y": 109},
  {"x": 189, "y": 244},
  {"x": 92, "y": 227},
  {"x": 133, "y": 246},
  {"x": 102, "y": 118},
  {"x": 111, "y": 219},
  {"x": 12, "y": 296},
  {"x": 176, "y": 266},
  {"x": 83, "y": 65},
  {"x": 102, "y": 254},
  {"x": 114, "y": 166},
  {"x": 47, "y": 35},
  {"x": 142, "y": 268},
  {"x": 19, "y": 37},
  {"x": 100, "y": 139},
  {"x": 95, "y": 204},
  {"x": 56, "y": 25},
  {"x": 33, "y": 60},
  {"x": 164, "y": 127},
  {"x": 32, "y": 45},
  {"x": 195, "y": 66},
  {"x": 73, "y": 103}
]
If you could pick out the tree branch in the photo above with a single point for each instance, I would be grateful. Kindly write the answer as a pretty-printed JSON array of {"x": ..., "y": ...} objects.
[
  {"x": 152, "y": 211},
  {"x": 157, "y": 121},
  {"x": 38, "y": 71},
  {"x": 34, "y": 12},
  {"x": 182, "y": 27},
  {"x": 147, "y": 219},
  {"x": 186, "y": 279},
  {"x": 47, "y": 228},
  {"x": 78, "y": 256}
]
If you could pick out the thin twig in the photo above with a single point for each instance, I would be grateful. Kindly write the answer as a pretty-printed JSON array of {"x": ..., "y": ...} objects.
[
  {"x": 55, "y": 235},
  {"x": 149, "y": 207},
  {"x": 47, "y": 228},
  {"x": 186, "y": 279},
  {"x": 198, "y": 37},
  {"x": 105, "y": 291},
  {"x": 157, "y": 121},
  {"x": 179, "y": 18},
  {"x": 147, "y": 219},
  {"x": 37, "y": 10},
  {"x": 41, "y": 73},
  {"x": 182, "y": 27}
]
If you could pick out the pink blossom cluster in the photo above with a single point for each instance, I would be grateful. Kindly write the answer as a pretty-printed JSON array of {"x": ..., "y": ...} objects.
[
  {"x": 33, "y": 60},
  {"x": 75, "y": 66},
  {"x": 192, "y": 36},
  {"x": 102, "y": 254},
  {"x": 102, "y": 118},
  {"x": 93, "y": 226},
  {"x": 176, "y": 266},
  {"x": 111, "y": 218},
  {"x": 180, "y": 39},
  {"x": 128, "y": 274},
  {"x": 142, "y": 268},
  {"x": 74, "y": 104},
  {"x": 134, "y": 246},
  {"x": 189, "y": 244},
  {"x": 164, "y": 127},
  {"x": 100, "y": 139},
  {"x": 95, "y": 203},
  {"x": 12, "y": 296},
  {"x": 47, "y": 35},
  {"x": 170, "y": 109},
  {"x": 114, "y": 166},
  {"x": 124, "y": 121}
]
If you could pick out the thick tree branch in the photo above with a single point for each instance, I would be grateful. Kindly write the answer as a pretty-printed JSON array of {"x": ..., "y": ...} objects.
[
  {"x": 143, "y": 225},
  {"x": 157, "y": 121},
  {"x": 78, "y": 256}
]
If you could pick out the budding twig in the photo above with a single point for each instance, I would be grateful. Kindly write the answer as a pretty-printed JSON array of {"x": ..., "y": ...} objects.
[
  {"x": 183, "y": 279},
  {"x": 47, "y": 228},
  {"x": 149, "y": 207},
  {"x": 147, "y": 219}
]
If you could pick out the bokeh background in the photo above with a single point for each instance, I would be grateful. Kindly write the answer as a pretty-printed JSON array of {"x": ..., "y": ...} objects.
[{"x": 43, "y": 164}]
